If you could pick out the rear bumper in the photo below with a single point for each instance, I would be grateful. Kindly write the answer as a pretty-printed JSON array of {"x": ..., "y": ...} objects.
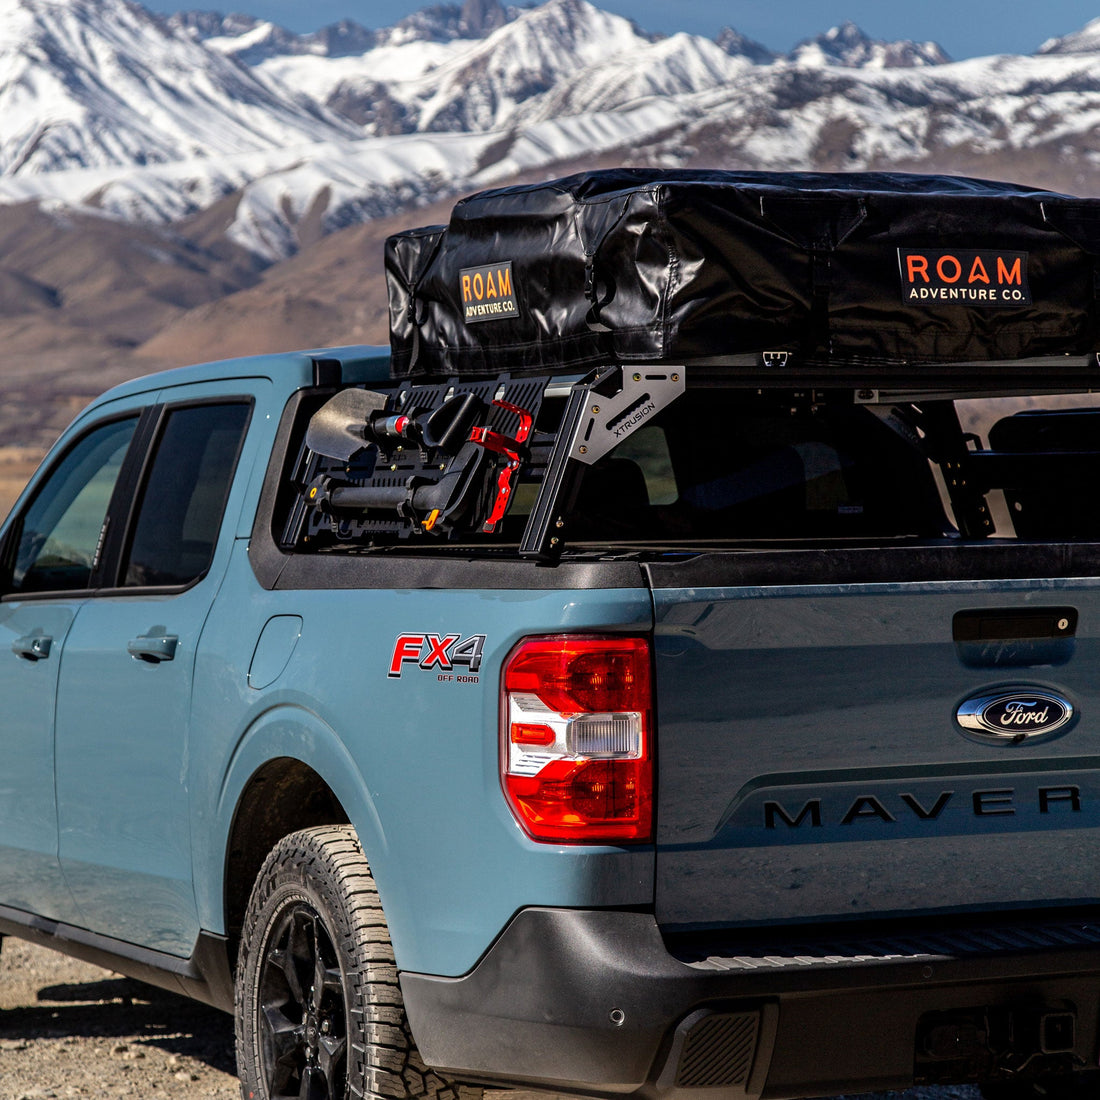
[{"x": 593, "y": 1001}]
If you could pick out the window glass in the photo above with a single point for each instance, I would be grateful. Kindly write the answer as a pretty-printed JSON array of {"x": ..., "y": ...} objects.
[
  {"x": 731, "y": 465},
  {"x": 60, "y": 530},
  {"x": 184, "y": 496},
  {"x": 720, "y": 465},
  {"x": 648, "y": 448}
]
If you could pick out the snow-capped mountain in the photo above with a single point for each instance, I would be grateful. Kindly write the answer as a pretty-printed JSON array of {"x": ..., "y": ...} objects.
[
  {"x": 738, "y": 45},
  {"x": 1084, "y": 41},
  {"x": 174, "y": 187},
  {"x": 849, "y": 47},
  {"x": 88, "y": 84},
  {"x": 478, "y": 83},
  {"x": 252, "y": 41},
  {"x": 106, "y": 107}
]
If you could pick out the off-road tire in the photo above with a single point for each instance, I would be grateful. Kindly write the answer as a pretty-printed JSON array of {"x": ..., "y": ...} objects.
[{"x": 315, "y": 916}]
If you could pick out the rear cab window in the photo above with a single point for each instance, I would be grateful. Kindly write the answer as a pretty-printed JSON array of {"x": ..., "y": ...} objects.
[
  {"x": 727, "y": 467},
  {"x": 183, "y": 496}
]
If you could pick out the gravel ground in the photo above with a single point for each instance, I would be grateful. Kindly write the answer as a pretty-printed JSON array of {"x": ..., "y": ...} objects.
[{"x": 69, "y": 1029}]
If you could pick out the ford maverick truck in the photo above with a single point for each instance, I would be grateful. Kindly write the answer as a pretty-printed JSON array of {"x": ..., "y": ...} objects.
[{"x": 670, "y": 669}]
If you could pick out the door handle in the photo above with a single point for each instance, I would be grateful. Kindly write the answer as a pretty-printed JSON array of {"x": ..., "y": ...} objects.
[
  {"x": 153, "y": 648},
  {"x": 32, "y": 647}
]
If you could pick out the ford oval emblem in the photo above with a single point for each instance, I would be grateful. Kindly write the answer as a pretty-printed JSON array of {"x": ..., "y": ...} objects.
[{"x": 1014, "y": 717}]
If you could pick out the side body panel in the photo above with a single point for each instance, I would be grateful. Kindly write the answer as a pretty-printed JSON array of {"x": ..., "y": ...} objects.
[{"x": 413, "y": 757}]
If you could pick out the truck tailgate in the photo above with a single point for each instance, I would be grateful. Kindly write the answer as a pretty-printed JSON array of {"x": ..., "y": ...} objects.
[{"x": 813, "y": 764}]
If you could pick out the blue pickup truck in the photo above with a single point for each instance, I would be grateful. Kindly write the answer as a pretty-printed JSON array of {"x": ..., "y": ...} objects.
[{"x": 710, "y": 728}]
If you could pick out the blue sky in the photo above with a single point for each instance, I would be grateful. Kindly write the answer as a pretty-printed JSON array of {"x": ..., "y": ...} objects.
[{"x": 965, "y": 28}]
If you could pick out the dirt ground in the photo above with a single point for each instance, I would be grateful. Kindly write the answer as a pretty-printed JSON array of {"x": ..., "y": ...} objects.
[{"x": 69, "y": 1029}]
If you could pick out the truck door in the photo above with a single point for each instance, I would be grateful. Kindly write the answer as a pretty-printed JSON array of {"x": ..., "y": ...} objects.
[
  {"x": 125, "y": 694},
  {"x": 50, "y": 561}
]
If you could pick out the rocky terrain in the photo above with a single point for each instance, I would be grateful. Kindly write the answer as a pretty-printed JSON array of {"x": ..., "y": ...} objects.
[{"x": 68, "y": 1029}]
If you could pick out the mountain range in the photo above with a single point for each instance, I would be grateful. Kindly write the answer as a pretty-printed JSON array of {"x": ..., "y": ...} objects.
[{"x": 187, "y": 186}]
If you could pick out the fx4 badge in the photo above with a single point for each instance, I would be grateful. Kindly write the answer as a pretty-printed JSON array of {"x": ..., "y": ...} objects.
[
  {"x": 1014, "y": 717},
  {"x": 443, "y": 653}
]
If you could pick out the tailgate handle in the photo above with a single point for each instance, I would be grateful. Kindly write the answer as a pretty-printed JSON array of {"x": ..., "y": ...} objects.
[{"x": 1014, "y": 624}]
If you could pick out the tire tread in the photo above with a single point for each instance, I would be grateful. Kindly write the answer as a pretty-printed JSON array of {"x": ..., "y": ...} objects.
[{"x": 383, "y": 1062}]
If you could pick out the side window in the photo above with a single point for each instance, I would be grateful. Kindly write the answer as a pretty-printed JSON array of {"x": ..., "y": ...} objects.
[
  {"x": 59, "y": 533},
  {"x": 180, "y": 510}
]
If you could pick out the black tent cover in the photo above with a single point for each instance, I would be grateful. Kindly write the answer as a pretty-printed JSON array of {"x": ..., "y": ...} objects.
[{"x": 643, "y": 265}]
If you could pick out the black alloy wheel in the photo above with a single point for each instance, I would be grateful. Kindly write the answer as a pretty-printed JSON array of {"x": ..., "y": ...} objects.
[{"x": 303, "y": 1009}]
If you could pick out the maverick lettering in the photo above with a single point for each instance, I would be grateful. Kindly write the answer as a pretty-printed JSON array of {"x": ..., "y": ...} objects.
[
  {"x": 998, "y": 802},
  {"x": 982, "y": 278},
  {"x": 487, "y": 293}
]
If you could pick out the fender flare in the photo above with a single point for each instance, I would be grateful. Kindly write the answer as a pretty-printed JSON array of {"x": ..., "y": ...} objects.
[{"x": 291, "y": 731}]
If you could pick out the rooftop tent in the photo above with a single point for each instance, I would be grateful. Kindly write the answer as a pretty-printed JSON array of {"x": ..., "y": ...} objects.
[{"x": 641, "y": 265}]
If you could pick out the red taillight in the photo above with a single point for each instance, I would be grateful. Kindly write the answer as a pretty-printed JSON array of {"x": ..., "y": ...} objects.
[{"x": 576, "y": 752}]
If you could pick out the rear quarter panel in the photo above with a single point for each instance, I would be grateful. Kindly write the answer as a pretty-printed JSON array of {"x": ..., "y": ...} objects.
[{"x": 413, "y": 757}]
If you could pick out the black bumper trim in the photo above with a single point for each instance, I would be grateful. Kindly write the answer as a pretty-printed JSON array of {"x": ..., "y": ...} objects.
[
  {"x": 922, "y": 944},
  {"x": 591, "y": 1001}
]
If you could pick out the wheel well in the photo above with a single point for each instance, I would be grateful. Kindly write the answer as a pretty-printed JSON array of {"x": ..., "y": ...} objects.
[{"x": 283, "y": 796}]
